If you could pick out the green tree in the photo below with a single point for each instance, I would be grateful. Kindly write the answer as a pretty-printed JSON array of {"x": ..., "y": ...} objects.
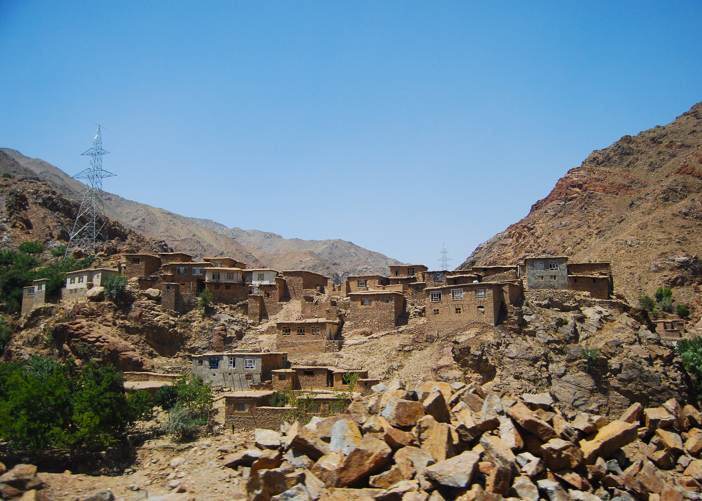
[
  {"x": 58, "y": 251},
  {"x": 166, "y": 397},
  {"x": 116, "y": 288},
  {"x": 647, "y": 303},
  {"x": 5, "y": 334},
  {"x": 666, "y": 304},
  {"x": 591, "y": 357}
]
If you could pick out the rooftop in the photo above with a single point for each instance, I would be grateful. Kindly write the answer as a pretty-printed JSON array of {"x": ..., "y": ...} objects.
[
  {"x": 477, "y": 285},
  {"x": 221, "y": 268},
  {"x": 367, "y": 293},
  {"x": 249, "y": 394},
  {"x": 309, "y": 321},
  {"x": 260, "y": 269},
  {"x": 367, "y": 276},
  {"x": 145, "y": 385},
  {"x": 139, "y": 254},
  {"x": 176, "y": 263},
  {"x": 245, "y": 353}
]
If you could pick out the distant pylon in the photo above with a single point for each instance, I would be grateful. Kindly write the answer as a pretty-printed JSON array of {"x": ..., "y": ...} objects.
[
  {"x": 89, "y": 227},
  {"x": 444, "y": 259}
]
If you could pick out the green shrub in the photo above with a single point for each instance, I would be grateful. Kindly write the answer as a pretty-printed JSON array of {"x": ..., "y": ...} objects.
[
  {"x": 690, "y": 351},
  {"x": 205, "y": 298},
  {"x": 647, "y": 303},
  {"x": 5, "y": 334},
  {"x": 662, "y": 293},
  {"x": 116, "y": 288},
  {"x": 181, "y": 424},
  {"x": 666, "y": 304},
  {"x": 278, "y": 399},
  {"x": 7, "y": 175},
  {"x": 58, "y": 251},
  {"x": 591, "y": 357},
  {"x": 350, "y": 378},
  {"x": 31, "y": 247},
  {"x": 682, "y": 310}
]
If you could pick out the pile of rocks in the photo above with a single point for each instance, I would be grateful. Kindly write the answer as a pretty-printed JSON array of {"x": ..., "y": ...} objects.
[
  {"x": 453, "y": 441},
  {"x": 21, "y": 482}
]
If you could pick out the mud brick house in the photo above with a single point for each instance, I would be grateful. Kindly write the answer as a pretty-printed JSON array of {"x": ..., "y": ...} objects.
[
  {"x": 35, "y": 295},
  {"x": 224, "y": 262},
  {"x": 320, "y": 306},
  {"x": 452, "y": 307},
  {"x": 376, "y": 311},
  {"x": 297, "y": 282},
  {"x": 174, "y": 257},
  {"x": 314, "y": 335},
  {"x": 555, "y": 272},
  {"x": 140, "y": 265},
  {"x": 79, "y": 282},
  {"x": 361, "y": 283},
  {"x": 189, "y": 274},
  {"x": 315, "y": 377},
  {"x": 247, "y": 410},
  {"x": 238, "y": 370},
  {"x": 226, "y": 285}
]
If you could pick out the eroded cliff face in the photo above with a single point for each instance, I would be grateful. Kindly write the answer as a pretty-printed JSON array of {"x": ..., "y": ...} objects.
[{"x": 636, "y": 204}]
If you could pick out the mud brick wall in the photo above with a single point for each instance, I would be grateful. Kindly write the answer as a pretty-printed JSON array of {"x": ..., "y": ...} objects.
[
  {"x": 272, "y": 361},
  {"x": 379, "y": 315},
  {"x": 269, "y": 418},
  {"x": 598, "y": 287},
  {"x": 506, "y": 276},
  {"x": 172, "y": 299},
  {"x": 289, "y": 383},
  {"x": 174, "y": 257},
  {"x": 443, "y": 316},
  {"x": 256, "y": 307},
  {"x": 319, "y": 307},
  {"x": 372, "y": 282},
  {"x": 557, "y": 297},
  {"x": 293, "y": 345},
  {"x": 589, "y": 269},
  {"x": 73, "y": 294},
  {"x": 145, "y": 267},
  {"x": 315, "y": 378},
  {"x": 512, "y": 292},
  {"x": 149, "y": 283},
  {"x": 151, "y": 376},
  {"x": 228, "y": 293},
  {"x": 298, "y": 281}
]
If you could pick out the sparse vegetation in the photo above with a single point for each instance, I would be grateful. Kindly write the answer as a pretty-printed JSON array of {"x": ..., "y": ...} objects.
[
  {"x": 662, "y": 293},
  {"x": 647, "y": 303},
  {"x": 279, "y": 399},
  {"x": 666, "y": 304},
  {"x": 591, "y": 357},
  {"x": 58, "y": 251},
  {"x": 189, "y": 402},
  {"x": 301, "y": 404},
  {"x": 31, "y": 247},
  {"x": 690, "y": 351},
  {"x": 205, "y": 298},
  {"x": 350, "y": 379},
  {"x": 166, "y": 397},
  {"x": 7, "y": 175},
  {"x": 116, "y": 289}
]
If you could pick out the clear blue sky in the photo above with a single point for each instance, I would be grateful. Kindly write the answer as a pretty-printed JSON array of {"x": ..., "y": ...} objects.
[{"x": 399, "y": 126}]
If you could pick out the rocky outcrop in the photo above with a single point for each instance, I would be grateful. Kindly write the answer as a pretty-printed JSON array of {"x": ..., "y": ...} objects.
[{"x": 585, "y": 458}]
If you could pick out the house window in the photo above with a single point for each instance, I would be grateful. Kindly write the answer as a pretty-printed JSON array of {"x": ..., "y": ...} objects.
[
  {"x": 214, "y": 363},
  {"x": 438, "y": 277},
  {"x": 481, "y": 293},
  {"x": 315, "y": 331},
  {"x": 216, "y": 287},
  {"x": 308, "y": 373},
  {"x": 553, "y": 278},
  {"x": 81, "y": 280},
  {"x": 232, "y": 362},
  {"x": 366, "y": 301},
  {"x": 182, "y": 270},
  {"x": 286, "y": 331},
  {"x": 436, "y": 311},
  {"x": 410, "y": 272},
  {"x": 96, "y": 277},
  {"x": 541, "y": 279},
  {"x": 249, "y": 363},
  {"x": 481, "y": 309},
  {"x": 199, "y": 362},
  {"x": 72, "y": 280},
  {"x": 218, "y": 265},
  {"x": 458, "y": 311},
  {"x": 362, "y": 283},
  {"x": 39, "y": 287},
  {"x": 197, "y": 271},
  {"x": 553, "y": 265},
  {"x": 136, "y": 260},
  {"x": 30, "y": 292},
  {"x": 387, "y": 301},
  {"x": 539, "y": 266},
  {"x": 230, "y": 276},
  {"x": 241, "y": 406},
  {"x": 228, "y": 287},
  {"x": 249, "y": 377},
  {"x": 457, "y": 294},
  {"x": 435, "y": 296},
  {"x": 300, "y": 331},
  {"x": 260, "y": 277},
  {"x": 281, "y": 377},
  {"x": 215, "y": 276}
]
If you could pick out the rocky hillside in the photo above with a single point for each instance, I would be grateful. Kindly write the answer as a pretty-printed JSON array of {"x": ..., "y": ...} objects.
[
  {"x": 637, "y": 204},
  {"x": 201, "y": 237}
]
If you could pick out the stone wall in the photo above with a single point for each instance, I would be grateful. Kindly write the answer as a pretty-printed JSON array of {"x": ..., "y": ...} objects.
[
  {"x": 228, "y": 293},
  {"x": 27, "y": 299},
  {"x": 151, "y": 376},
  {"x": 295, "y": 346},
  {"x": 149, "y": 283},
  {"x": 269, "y": 418},
  {"x": 589, "y": 269},
  {"x": 312, "y": 377},
  {"x": 146, "y": 265},
  {"x": 547, "y": 278},
  {"x": 256, "y": 307},
  {"x": 319, "y": 306},
  {"x": 298, "y": 281}
]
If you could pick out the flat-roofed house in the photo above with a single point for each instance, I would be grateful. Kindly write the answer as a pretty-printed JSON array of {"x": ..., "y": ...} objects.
[
  {"x": 376, "y": 311},
  {"x": 140, "y": 265},
  {"x": 451, "y": 307},
  {"x": 238, "y": 370},
  {"x": 314, "y": 335},
  {"x": 226, "y": 285},
  {"x": 224, "y": 262},
  {"x": 79, "y": 282}
]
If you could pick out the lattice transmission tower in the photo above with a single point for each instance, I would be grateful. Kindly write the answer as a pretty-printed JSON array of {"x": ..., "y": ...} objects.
[
  {"x": 444, "y": 259},
  {"x": 89, "y": 227}
]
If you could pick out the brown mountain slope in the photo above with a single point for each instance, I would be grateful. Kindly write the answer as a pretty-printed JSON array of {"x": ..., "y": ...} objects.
[
  {"x": 203, "y": 237},
  {"x": 636, "y": 204}
]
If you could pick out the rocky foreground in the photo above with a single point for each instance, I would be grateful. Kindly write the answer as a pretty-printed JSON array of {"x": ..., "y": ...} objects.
[{"x": 436, "y": 441}]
